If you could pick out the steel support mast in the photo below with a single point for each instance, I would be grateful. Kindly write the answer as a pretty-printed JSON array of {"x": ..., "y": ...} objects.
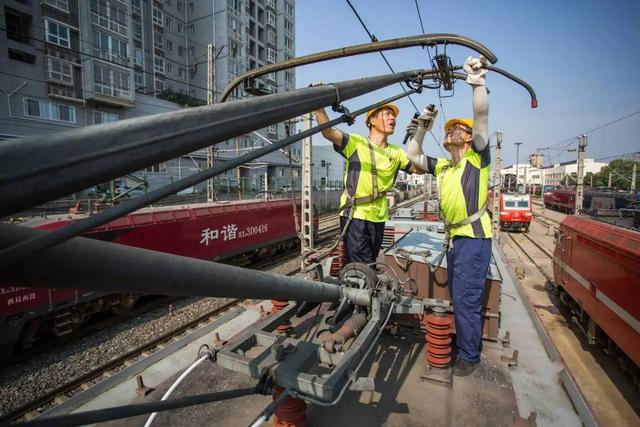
[
  {"x": 582, "y": 143},
  {"x": 497, "y": 182},
  {"x": 307, "y": 191}
]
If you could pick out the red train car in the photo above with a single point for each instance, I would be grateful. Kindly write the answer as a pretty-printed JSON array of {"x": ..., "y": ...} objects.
[
  {"x": 597, "y": 271},
  {"x": 563, "y": 200},
  {"x": 206, "y": 231},
  {"x": 515, "y": 211}
]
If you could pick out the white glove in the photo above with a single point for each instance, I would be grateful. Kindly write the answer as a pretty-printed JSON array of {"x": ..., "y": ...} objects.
[
  {"x": 474, "y": 67},
  {"x": 424, "y": 121}
]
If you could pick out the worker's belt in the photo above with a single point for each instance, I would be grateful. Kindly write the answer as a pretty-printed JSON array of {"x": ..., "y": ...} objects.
[
  {"x": 352, "y": 201},
  {"x": 448, "y": 244}
]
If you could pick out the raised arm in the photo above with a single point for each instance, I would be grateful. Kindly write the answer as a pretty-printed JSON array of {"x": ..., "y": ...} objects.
[
  {"x": 419, "y": 128},
  {"x": 474, "y": 67},
  {"x": 332, "y": 134}
]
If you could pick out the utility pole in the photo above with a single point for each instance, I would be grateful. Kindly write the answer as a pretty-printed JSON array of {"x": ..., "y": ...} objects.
[
  {"x": 518, "y": 144},
  {"x": 582, "y": 143},
  {"x": 633, "y": 177},
  {"x": 211, "y": 99},
  {"x": 609, "y": 185},
  {"x": 238, "y": 172},
  {"x": 307, "y": 192},
  {"x": 497, "y": 178}
]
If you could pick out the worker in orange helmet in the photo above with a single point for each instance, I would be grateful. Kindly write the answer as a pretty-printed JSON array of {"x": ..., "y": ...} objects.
[
  {"x": 463, "y": 182},
  {"x": 371, "y": 170}
]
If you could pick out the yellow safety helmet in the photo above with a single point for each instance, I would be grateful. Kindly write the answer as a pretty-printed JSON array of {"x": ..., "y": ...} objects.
[
  {"x": 451, "y": 122},
  {"x": 373, "y": 111}
]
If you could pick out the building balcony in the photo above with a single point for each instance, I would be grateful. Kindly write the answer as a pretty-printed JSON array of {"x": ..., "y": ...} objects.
[
  {"x": 113, "y": 99},
  {"x": 62, "y": 53},
  {"x": 65, "y": 93}
]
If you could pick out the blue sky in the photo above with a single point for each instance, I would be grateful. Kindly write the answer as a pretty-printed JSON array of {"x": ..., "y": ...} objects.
[{"x": 582, "y": 57}]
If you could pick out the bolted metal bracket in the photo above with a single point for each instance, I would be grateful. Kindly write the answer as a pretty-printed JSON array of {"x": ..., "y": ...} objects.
[
  {"x": 512, "y": 361},
  {"x": 142, "y": 390}
]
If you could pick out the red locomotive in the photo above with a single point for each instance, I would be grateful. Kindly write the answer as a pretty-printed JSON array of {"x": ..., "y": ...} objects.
[
  {"x": 515, "y": 211},
  {"x": 252, "y": 228},
  {"x": 597, "y": 272}
]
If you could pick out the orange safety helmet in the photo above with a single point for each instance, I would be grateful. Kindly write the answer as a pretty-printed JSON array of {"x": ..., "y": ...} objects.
[{"x": 373, "y": 111}]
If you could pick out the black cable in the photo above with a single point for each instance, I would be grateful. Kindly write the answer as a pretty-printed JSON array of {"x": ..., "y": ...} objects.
[
  {"x": 374, "y": 39},
  {"x": 419, "y": 16},
  {"x": 313, "y": 323},
  {"x": 118, "y": 412},
  {"x": 26, "y": 248},
  {"x": 572, "y": 139}
]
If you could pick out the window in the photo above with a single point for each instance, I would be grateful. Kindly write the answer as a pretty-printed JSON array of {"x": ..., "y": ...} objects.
[
  {"x": 288, "y": 9},
  {"x": 192, "y": 30},
  {"x": 192, "y": 51},
  {"x": 17, "y": 25},
  {"x": 159, "y": 168},
  {"x": 180, "y": 6},
  {"x": 523, "y": 203},
  {"x": 158, "y": 64},
  {"x": 288, "y": 42},
  {"x": 180, "y": 28},
  {"x": 157, "y": 16},
  {"x": 169, "y": 46},
  {"x": 59, "y": 71},
  {"x": 102, "y": 117},
  {"x": 49, "y": 110},
  {"x": 288, "y": 27},
  {"x": 138, "y": 57},
  {"x": 272, "y": 129},
  {"x": 111, "y": 48},
  {"x": 180, "y": 50},
  {"x": 110, "y": 80},
  {"x": 136, "y": 5},
  {"x": 22, "y": 56},
  {"x": 139, "y": 80},
  {"x": 191, "y": 8},
  {"x": 110, "y": 14},
  {"x": 57, "y": 33},
  {"x": 169, "y": 68},
  {"x": 167, "y": 22},
  {"x": 181, "y": 72},
  {"x": 159, "y": 84},
  {"x": 323, "y": 164},
  {"x": 60, "y": 4},
  {"x": 271, "y": 55},
  {"x": 271, "y": 19}
]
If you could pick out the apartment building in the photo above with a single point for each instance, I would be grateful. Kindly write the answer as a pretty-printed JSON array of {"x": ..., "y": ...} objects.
[{"x": 75, "y": 63}]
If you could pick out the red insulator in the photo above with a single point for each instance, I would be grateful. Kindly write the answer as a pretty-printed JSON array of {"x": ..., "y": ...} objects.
[
  {"x": 276, "y": 307},
  {"x": 339, "y": 260},
  {"x": 438, "y": 337},
  {"x": 291, "y": 412}
]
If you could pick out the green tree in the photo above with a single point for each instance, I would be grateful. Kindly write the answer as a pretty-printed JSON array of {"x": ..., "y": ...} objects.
[{"x": 620, "y": 174}]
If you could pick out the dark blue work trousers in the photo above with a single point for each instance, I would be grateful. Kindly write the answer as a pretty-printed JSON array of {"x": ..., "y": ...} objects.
[
  {"x": 363, "y": 239},
  {"x": 467, "y": 266}
]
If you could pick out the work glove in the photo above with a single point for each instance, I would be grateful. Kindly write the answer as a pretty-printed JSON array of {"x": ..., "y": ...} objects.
[
  {"x": 476, "y": 70},
  {"x": 424, "y": 121}
]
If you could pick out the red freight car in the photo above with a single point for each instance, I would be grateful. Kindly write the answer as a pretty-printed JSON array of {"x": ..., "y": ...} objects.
[
  {"x": 597, "y": 269},
  {"x": 206, "y": 231}
]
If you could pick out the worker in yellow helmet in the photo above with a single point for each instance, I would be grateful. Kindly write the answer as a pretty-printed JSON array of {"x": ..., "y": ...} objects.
[
  {"x": 372, "y": 166},
  {"x": 463, "y": 182}
]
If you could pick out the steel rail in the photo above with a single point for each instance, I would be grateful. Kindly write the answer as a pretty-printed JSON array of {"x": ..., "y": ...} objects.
[
  {"x": 20, "y": 250},
  {"x": 40, "y": 168},
  {"x": 378, "y": 46}
]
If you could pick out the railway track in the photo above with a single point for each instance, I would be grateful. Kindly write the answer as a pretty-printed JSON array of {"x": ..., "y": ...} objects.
[
  {"x": 597, "y": 374},
  {"x": 45, "y": 402}
]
